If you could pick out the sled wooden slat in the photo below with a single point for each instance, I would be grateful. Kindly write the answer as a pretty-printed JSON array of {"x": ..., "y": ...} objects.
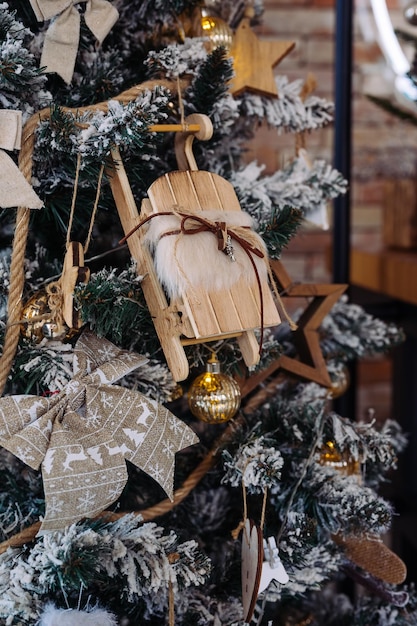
[
  {"x": 214, "y": 192},
  {"x": 201, "y": 313},
  {"x": 227, "y": 312},
  {"x": 164, "y": 320}
]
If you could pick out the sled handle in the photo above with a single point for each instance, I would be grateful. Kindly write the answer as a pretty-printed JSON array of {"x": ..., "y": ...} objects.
[{"x": 184, "y": 140}]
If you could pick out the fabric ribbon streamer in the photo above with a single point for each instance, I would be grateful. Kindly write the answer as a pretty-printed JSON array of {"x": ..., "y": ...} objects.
[
  {"x": 14, "y": 188},
  {"x": 62, "y": 37},
  {"x": 82, "y": 436}
]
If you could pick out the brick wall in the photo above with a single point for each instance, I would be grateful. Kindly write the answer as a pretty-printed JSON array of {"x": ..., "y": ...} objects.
[{"x": 383, "y": 146}]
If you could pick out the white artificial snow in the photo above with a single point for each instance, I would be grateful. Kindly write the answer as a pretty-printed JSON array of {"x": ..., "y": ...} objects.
[
  {"x": 178, "y": 59},
  {"x": 254, "y": 464},
  {"x": 73, "y": 617}
]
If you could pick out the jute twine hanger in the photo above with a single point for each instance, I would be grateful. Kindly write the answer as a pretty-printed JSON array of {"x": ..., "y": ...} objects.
[
  {"x": 73, "y": 203},
  {"x": 63, "y": 288}
]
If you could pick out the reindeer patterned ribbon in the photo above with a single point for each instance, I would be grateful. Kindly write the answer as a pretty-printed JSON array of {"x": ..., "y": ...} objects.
[
  {"x": 82, "y": 435},
  {"x": 14, "y": 188},
  {"x": 62, "y": 37}
]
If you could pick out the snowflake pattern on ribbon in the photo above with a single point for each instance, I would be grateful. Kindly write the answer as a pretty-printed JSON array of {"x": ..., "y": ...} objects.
[{"x": 82, "y": 436}]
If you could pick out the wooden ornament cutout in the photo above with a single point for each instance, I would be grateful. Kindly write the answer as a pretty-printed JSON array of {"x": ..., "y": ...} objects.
[
  {"x": 73, "y": 273},
  {"x": 201, "y": 315},
  {"x": 254, "y": 60},
  {"x": 309, "y": 364},
  {"x": 272, "y": 567},
  {"x": 252, "y": 560}
]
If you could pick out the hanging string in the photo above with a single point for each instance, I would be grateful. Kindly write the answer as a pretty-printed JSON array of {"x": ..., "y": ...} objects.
[
  {"x": 95, "y": 207},
  {"x": 262, "y": 523},
  {"x": 73, "y": 203},
  {"x": 54, "y": 290},
  {"x": 278, "y": 296},
  {"x": 74, "y": 198}
]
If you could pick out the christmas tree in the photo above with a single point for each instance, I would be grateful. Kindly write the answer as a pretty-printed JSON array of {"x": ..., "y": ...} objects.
[{"x": 158, "y": 500}]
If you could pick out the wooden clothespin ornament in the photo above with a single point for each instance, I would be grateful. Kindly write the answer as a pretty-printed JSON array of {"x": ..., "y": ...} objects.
[{"x": 74, "y": 272}]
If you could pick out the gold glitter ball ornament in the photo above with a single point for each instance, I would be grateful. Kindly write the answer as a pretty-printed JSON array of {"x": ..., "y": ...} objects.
[{"x": 214, "y": 397}]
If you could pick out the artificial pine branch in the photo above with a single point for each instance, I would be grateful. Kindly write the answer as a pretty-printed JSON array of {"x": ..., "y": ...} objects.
[
  {"x": 280, "y": 229},
  {"x": 113, "y": 305},
  {"x": 211, "y": 82}
]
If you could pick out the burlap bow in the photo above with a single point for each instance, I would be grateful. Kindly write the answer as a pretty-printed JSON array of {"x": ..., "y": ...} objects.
[
  {"x": 62, "y": 37},
  {"x": 82, "y": 435},
  {"x": 14, "y": 188}
]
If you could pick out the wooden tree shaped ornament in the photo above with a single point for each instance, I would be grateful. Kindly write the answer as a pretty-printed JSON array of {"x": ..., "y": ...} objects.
[{"x": 199, "y": 203}]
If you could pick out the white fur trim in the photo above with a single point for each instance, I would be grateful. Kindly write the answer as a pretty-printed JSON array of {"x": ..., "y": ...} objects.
[
  {"x": 71, "y": 617},
  {"x": 184, "y": 261}
]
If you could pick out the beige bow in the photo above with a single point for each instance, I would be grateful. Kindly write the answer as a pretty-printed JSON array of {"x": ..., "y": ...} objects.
[
  {"x": 82, "y": 436},
  {"x": 62, "y": 37},
  {"x": 14, "y": 188}
]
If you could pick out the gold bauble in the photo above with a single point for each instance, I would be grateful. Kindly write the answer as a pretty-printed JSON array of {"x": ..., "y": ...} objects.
[
  {"x": 217, "y": 31},
  {"x": 341, "y": 461},
  {"x": 214, "y": 397},
  {"x": 34, "y": 316},
  {"x": 37, "y": 322},
  {"x": 340, "y": 382},
  {"x": 200, "y": 22}
]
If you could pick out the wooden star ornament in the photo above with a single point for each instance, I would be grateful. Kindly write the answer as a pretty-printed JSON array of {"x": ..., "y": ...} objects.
[
  {"x": 309, "y": 363},
  {"x": 255, "y": 59}
]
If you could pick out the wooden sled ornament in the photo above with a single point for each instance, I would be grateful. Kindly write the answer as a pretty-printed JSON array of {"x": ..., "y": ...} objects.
[{"x": 200, "y": 315}]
